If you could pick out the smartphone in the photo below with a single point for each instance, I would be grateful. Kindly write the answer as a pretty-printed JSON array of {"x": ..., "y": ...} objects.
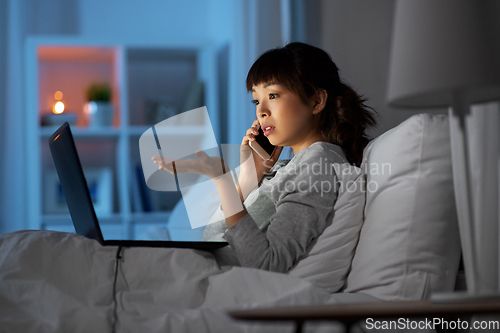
[{"x": 262, "y": 146}]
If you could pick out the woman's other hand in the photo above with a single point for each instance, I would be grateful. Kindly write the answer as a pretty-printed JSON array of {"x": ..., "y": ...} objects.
[{"x": 212, "y": 167}]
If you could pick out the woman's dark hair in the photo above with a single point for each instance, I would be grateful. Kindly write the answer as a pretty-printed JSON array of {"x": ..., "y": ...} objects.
[{"x": 304, "y": 70}]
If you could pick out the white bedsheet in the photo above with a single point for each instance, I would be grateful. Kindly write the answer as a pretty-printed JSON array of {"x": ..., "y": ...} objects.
[{"x": 62, "y": 282}]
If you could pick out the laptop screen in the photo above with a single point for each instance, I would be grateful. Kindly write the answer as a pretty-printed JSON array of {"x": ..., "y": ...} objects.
[
  {"x": 81, "y": 207},
  {"x": 73, "y": 184}
]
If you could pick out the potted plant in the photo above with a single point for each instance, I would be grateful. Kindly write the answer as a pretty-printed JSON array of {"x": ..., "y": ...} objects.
[{"x": 99, "y": 108}]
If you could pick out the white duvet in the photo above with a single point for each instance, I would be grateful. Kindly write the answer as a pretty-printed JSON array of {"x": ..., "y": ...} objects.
[{"x": 62, "y": 282}]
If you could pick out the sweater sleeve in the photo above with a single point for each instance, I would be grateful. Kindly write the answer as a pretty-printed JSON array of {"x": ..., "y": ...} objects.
[
  {"x": 216, "y": 226},
  {"x": 304, "y": 197}
]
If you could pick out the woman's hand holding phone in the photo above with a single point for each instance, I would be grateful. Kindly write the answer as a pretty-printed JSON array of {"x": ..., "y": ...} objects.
[{"x": 260, "y": 165}]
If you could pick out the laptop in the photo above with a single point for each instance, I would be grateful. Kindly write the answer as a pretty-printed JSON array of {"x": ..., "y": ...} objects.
[{"x": 79, "y": 201}]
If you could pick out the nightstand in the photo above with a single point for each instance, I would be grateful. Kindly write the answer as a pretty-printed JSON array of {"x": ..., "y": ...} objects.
[{"x": 348, "y": 314}]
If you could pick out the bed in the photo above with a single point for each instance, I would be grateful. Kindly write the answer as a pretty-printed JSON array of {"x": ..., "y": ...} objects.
[{"x": 394, "y": 237}]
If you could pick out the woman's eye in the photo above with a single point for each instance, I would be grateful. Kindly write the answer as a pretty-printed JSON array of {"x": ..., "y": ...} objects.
[
  {"x": 273, "y": 96},
  {"x": 254, "y": 101}
]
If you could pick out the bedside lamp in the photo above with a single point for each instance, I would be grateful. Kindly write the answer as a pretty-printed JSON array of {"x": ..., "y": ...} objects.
[{"x": 442, "y": 56}]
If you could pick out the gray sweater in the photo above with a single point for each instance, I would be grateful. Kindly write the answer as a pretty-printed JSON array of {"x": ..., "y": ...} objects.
[{"x": 285, "y": 213}]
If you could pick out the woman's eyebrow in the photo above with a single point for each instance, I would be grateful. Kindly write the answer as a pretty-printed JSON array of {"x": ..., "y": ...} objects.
[{"x": 266, "y": 85}]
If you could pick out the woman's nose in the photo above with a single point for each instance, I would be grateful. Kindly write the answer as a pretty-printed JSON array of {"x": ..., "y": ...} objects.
[{"x": 262, "y": 111}]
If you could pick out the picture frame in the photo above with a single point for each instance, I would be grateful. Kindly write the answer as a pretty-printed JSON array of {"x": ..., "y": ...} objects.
[{"x": 99, "y": 182}]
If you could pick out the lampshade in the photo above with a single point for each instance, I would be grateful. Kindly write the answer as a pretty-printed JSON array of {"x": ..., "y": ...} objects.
[
  {"x": 443, "y": 55},
  {"x": 441, "y": 47}
]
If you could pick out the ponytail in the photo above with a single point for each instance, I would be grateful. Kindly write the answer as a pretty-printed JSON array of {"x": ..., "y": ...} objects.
[{"x": 346, "y": 125}]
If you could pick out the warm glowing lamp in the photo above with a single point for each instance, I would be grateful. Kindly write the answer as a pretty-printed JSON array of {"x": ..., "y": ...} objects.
[
  {"x": 58, "y": 108},
  {"x": 57, "y": 117}
]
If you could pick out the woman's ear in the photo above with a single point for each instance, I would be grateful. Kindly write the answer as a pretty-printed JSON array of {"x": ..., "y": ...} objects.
[{"x": 320, "y": 101}]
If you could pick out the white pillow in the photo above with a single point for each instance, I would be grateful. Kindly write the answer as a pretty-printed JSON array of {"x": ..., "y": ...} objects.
[
  {"x": 328, "y": 262},
  {"x": 409, "y": 244}
]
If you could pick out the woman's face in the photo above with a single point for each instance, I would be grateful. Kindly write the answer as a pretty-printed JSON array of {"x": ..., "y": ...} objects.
[{"x": 284, "y": 118}]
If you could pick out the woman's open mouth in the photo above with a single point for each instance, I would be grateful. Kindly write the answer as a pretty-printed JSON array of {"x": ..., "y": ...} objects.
[{"x": 267, "y": 130}]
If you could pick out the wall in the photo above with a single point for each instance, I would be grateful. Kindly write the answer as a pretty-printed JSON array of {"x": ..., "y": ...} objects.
[
  {"x": 313, "y": 22},
  {"x": 18, "y": 19},
  {"x": 357, "y": 34},
  {"x": 13, "y": 159},
  {"x": 3, "y": 73},
  {"x": 50, "y": 16},
  {"x": 144, "y": 19}
]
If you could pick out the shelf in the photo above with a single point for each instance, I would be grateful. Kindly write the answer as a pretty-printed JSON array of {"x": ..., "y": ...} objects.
[
  {"x": 71, "y": 70},
  {"x": 77, "y": 54},
  {"x": 151, "y": 82},
  {"x": 159, "y": 79},
  {"x": 177, "y": 130},
  {"x": 135, "y": 131},
  {"x": 84, "y": 132}
]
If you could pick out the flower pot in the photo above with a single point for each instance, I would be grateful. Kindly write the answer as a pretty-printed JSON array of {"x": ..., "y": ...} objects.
[{"x": 100, "y": 114}]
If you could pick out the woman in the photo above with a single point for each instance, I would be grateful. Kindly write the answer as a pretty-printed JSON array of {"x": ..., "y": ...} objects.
[{"x": 300, "y": 103}]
